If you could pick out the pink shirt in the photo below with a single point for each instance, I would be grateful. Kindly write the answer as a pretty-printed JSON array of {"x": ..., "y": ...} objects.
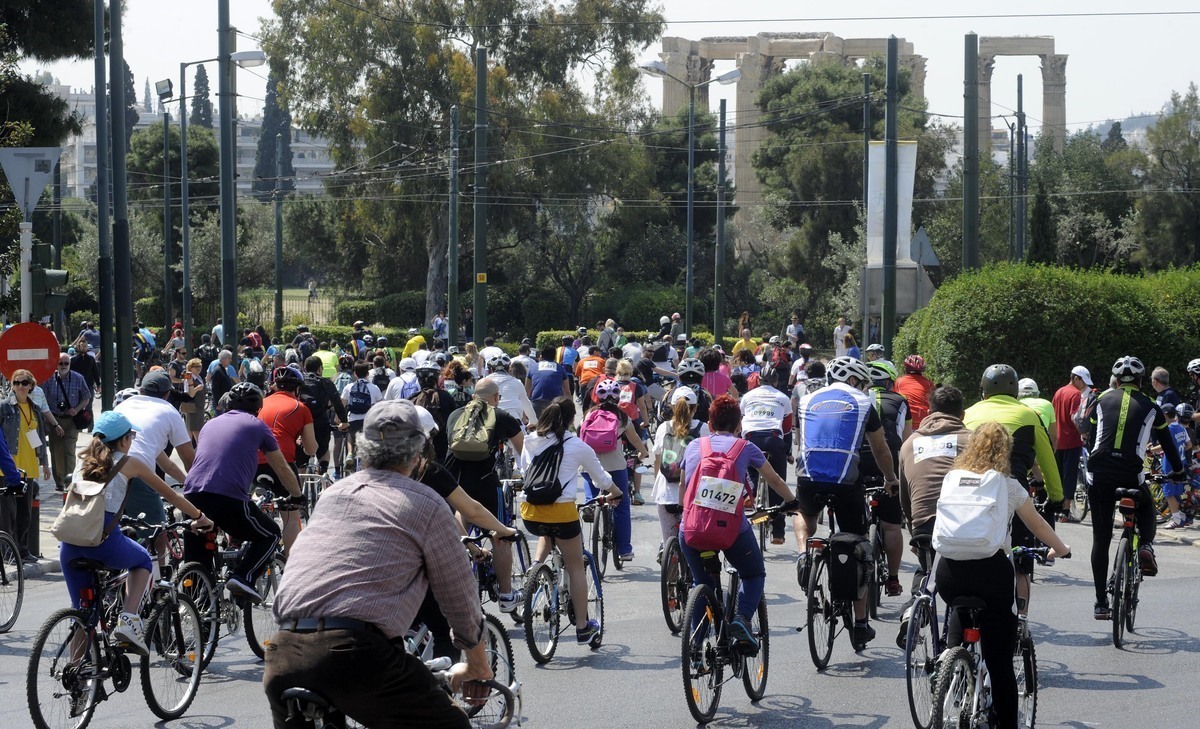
[{"x": 717, "y": 383}]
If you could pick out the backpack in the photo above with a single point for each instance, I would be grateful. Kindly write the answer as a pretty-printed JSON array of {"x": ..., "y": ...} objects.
[
  {"x": 306, "y": 348},
  {"x": 627, "y": 402},
  {"x": 358, "y": 402},
  {"x": 379, "y": 378},
  {"x": 470, "y": 438},
  {"x": 714, "y": 503},
  {"x": 849, "y": 564},
  {"x": 312, "y": 393},
  {"x": 256, "y": 374},
  {"x": 542, "y": 485},
  {"x": 601, "y": 429},
  {"x": 672, "y": 453},
  {"x": 206, "y": 353},
  {"x": 753, "y": 380},
  {"x": 1082, "y": 417},
  {"x": 781, "y": 359},
  {"x": 972, "y": 515},
  {"x": 144, "y": 348}
]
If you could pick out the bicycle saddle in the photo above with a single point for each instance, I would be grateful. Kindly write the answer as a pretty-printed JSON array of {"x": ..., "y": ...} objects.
[
  {"x": 969, "y": 603},
  {"x": 922, "y": 542},
  {"x": 304, "y": 696},
  {"x": 89, "y": 565},
  {"x": 1134, "y": 494},
  {"x": 825, "y": 499}
]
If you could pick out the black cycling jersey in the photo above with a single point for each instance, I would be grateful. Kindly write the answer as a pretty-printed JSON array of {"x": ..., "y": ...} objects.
[
  {"x": 893, "y": 411},
  {"x": 1121, "y": 425}
]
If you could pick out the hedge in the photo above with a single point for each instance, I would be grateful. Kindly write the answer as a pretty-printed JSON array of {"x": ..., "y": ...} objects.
[
  {"x": 1044, "y": 320},
  {"x": 352, "y": 310},
  {"x": 553, "y": 338}
]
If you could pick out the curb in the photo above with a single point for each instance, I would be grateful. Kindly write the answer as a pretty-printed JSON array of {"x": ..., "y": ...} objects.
[{"x": 41, "y": 568}]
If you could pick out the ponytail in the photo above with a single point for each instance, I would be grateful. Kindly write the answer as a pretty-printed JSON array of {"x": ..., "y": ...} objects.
[
  {"x": 681, "y": 418},
  {"x": 557, "y": 418},
  {"x": 96, "y": 459}
]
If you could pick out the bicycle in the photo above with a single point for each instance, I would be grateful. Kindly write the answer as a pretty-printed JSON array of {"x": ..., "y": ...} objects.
[
  {"x": 12, "y": 582},
  {"x": 207, "y": 590},
  {"x": 923, "y": 642},
  {"x": 707, "y": 647},
  {"x": 877, "y": 576},
  {"x": 823, "y": 611},
  {"x": 548, "y": 600},
  {"x": 1126, "y": 577},
  {"x": 313, "y": 482},
  {"x": 485, "y": 571},
  {"x": 72, "y": 655},
  {"x": 494, "y": 712},
  {"x": 603, "y": 542},
  {"x": 675, "y": 579}
]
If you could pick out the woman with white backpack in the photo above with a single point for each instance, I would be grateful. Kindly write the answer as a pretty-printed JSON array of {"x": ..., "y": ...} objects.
[{"x": 974, "y": 547}]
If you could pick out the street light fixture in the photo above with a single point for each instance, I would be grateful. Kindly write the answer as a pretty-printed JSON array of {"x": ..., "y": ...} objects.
[{"x": 658, "y": 69}]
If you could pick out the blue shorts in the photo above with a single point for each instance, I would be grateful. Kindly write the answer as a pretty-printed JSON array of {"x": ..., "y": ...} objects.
[
  {"x": 117, "y": 551},
  {"x": 1174, "y": 488}
]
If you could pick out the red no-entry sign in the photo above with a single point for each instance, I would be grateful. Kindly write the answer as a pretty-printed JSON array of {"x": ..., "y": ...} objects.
[{"x": 28, "y": 346}]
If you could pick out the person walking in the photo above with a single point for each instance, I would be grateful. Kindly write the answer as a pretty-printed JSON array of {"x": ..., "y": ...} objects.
[{"x": 70, "y": 401}]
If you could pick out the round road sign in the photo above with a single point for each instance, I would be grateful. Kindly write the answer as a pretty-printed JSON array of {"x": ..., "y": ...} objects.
[{"x": 29, "y": 346}]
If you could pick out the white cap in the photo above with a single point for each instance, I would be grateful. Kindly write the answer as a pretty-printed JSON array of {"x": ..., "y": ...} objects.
[
  {"x": 428, "y": 424},
  {"x": 1027, "y": 387},
  {"x": 1082, "y": 373},
  {"x": 684, "y": 393},
  {"x": 408, "y": 364}
]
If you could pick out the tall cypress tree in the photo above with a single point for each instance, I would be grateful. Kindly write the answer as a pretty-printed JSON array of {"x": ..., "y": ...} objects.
[
  {"x": 1042, "y": 247},
  {"x": 276, "y": 120},
  {"x": 147, "y": 105},
  {"x": 202, "y": 109},
  {"x": 131, "y": 105}
]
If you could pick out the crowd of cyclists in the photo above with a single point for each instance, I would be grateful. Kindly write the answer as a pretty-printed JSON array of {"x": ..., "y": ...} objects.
[{"x": 693, "y": 429}]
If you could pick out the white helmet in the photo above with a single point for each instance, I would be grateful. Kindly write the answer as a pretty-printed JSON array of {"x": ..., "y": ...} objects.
[
  {"x": 408, "y": 364},
  {"x": 1194, "y": 367},
  {"x": 691, "y": 366},
  {"x": 841, "y": 369},
  {"x": 499, "y": 361},
  {"x": 428, "y": 424},
  {"x": 664, "y": 320},
  {"x": 124, "y": 395},
  {"x": 1026, "y": 387},
  {"x": 1128, "y": 369},
  {"x": 412, "y": 331}
]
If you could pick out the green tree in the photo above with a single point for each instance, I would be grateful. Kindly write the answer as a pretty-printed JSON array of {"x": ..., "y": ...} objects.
[
  {"x": 945, "y": 217},
  {"x": 1115, "y": 141},
  {"x": 1042, "y": 248},
  {"x": 202, "y": 108},
  {"x": 144, "y": 165},
  {"x": 45, "y": 32},
  {"x": 131, "y": 106},
  {"x": 147, "y": 105},
  {"x": 276, "y": 120},
  {"x": 1169, "y": 213}
]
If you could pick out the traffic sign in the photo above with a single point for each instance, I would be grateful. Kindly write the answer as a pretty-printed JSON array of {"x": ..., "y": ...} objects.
[
  {"x": 481, "y": 278},
  {"x": 28, "y": 170},
  {"x": 29, "y": 346}
]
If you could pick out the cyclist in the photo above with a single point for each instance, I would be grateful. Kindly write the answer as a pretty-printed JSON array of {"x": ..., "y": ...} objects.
[
  {"x": 988, "y": 453},
  {"x": 915, "y": 387},
  {"x": 291, "y": 421},
  {"x": 104, "y": 466},
  {"x": 343, "y": 612},
  {"x": 670, "y": 441},
  {"x": 437, "y": 402},
  {"x": 606, "y": 395},
  {"x": 514, "y": 399},
  {"x": 359, "y": 397},
  {"x": 1030, "y": 448},
  {"x": 553, "y": 428},
  {"x": 1120, "y": 428},
  {"x": 329, "y": 414},
  {"x": 767, "y": 423},
  {"x": 832, "y": 423},
  {"x": 897, "y": 426},
  {"x": 550, "y": 381},
  {"x": 219, "y": 482},
  {"x": 725, "y": 421}
]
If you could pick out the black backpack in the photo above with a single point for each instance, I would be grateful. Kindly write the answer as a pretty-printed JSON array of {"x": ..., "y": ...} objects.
[
  {"x": 379, "y": 378},
  {"x": 206, "y": 354},
  {"x": 542, "y": 485},
  {"x": 358, "y": 400},
  {"x": 312, "y": 393}
]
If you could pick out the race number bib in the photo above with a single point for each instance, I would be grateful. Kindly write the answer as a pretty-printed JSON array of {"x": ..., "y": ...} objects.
[
  {"x": 719, "y": 494},
  {"x": 929, "y": 446},
  {"x": 626, "y": 397}
]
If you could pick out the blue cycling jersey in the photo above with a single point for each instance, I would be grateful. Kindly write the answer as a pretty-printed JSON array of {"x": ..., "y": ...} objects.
[{"x": 832, "y": 424}]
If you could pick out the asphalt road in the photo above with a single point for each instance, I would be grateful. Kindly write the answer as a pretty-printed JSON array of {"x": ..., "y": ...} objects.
[{"x": 633, "y": 680}]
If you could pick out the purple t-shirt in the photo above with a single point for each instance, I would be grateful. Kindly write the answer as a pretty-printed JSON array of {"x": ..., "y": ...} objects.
[
  {"x": 750, "y": 457},
  {"x": 227, "y": 455}
]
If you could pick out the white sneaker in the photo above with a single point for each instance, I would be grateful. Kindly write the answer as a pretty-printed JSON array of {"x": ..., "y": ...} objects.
[
  {"x": 130, "y": 635},
  {"x": 510, "y": 601},
  {"x": 237, "y": 588}
]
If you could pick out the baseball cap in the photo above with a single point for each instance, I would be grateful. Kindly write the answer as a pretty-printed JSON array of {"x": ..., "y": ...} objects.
[
  {"x": 1082, "y": 373},
  {"x": 156, "y": 383},
  {"x": 408, "y": 364},
  {"x": 684, "y": 393},
  {"x": 112, "y": 425},
  {"x": 391, "y": 421},
  {"x": 428, "y": 424}
]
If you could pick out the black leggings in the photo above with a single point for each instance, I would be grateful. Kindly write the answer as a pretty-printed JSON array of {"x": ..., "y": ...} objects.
[
  {"x": 991, "y": 580},
  {"x": 241, "y": 520},
  {"x": 1102, "y": 495},
  {"x": 775, "y": 449}
]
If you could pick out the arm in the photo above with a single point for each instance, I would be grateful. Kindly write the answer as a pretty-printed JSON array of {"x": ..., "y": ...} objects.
[
  {"x": 136, "y": 469},
  {"x": 777, "y": 484},
  {"x": 308, "y": 440},
  {"x": 905, "y": 486},
  {"x": 1042, "y": 530},
  {"x": 7, "y": 465},
  {"x": 1045, "y": 460},
  {"x": 1162, "y": 434},
  {"x": 187, "y": 454},
  {"x": 331, "y": 394},
  {"x": 280, "y": 466},
  {"x": 170, "y": 467},
  {"x": 591, "y": 465},
  {"x": 474, "y": 512},
  {"x": 635, "y": 440},
  {"x": 566, "y": 387},
  {"x": 518, "y": 442},
  {"x": 882, "y": 455}
]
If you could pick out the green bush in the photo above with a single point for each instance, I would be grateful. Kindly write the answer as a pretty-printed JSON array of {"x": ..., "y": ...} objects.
[
  {"x": 542, "y": 309},
  {"x": 148, "y": 309},
  {"x": 401, "y": 309},
  {"x": 553, "y": 338},
  {"x": 348, "y": 312},
  {"x": 1044, "y": 320},
  {"x": 341, "y": 335},
  {"x": 76, "y": 319}
]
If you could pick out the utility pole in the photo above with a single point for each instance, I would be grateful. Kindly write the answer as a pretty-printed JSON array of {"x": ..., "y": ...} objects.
[
  {"x": 228, "y": 174},
  {"x": 891, "y": 191},
  {"x": 278, "y": 235},
  {"x": 480, "y": 298},
  {"x": 121, "y": 255},
  {"x": 452, "y": 283},
  {"x": 866, "y": 137},
  {"x": 60, "y": 319},
  {"x": 1019, "y": 253},
  {"x": 1012, "y": 189},
  {"x": 168, "y": 254},
  {"x": 105, "y": 265},
  {"x": 719, "y": 280},
  {"x": 185, "y": 218},
  {"x": 970, "y": 240}
]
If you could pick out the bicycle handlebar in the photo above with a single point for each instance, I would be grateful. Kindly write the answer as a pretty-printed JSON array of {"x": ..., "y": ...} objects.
[
  {"x": 139, "y": 522},
  {"x": 1040, "y": 554},
  {"x": 761, "y": 515}
]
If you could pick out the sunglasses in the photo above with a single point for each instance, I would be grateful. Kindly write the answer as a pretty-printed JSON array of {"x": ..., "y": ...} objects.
[
  {"x": 23, "y": 383},
  {"x": 64, "y": 364}
]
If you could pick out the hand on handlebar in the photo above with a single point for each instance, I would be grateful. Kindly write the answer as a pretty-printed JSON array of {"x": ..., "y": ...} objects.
[
  {"x": 201, "y": 525},
  {"x": 1053, "y": 553},
  {"x": 1180, "y": 476}
]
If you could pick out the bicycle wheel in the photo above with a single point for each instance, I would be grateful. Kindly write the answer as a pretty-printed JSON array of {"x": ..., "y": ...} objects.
[
  {"x": 822, "y": 620},
  {"x": 171, "y": 673},
  {"x": 193, "y": 581},
  {"x": 920, "y": 656},
  {"x": 1133, "y": 580},
  {"x": 494, "y": 712},
  {"x": 610, "y": 539},
  {"x": 499, "y": 649},
  {"x": 954, "y": 689},
  {"x": 595, "y": 593},
  {"x": 1081, "y": 501},
  {"x": 12, "y": 582},
  {"x": 875, "y": 583},
  {"x": 61, "y": 682},
  {"x": 755, "y": 668},
  {"x": 1119, "y": 577},
  {"x": 599, "y": 546},
  {"x": 1162, "y": 510},
  {"x": 259, "y": 619},
  {"x": 1025, "y": 666},
  {"x": 673, "y": 585},
  {"x": 700, "y": 642},
  {"x": 542, "y": 615},
  {"x": 520, "y": 565}
]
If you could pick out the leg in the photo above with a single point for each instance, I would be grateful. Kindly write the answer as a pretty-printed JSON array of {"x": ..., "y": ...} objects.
[
  {"x": 572, "y": 552},
  {"x": 1068, "y": 469},
  {"x": 431, "y": 615},
  {"x": 667, "y": 522},
  {"x": 1102, "y": 497},
  {"x": 746, "y": 558},
  {"x": 622, "y": 525},
  {"x": 24, "y": 517}
]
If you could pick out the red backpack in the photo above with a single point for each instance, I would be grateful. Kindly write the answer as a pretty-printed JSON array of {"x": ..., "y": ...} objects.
[
  {"x": 601, "y": 429},
  {"x": 627, "y": 403},
  {"x": 714, "y": 503}
]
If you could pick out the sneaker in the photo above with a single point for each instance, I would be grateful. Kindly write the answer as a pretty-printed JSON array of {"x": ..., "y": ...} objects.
[
  {"x": 1101, "y": 611},
  {"x": 658, "y": 559},
  {"x": 743, "y": 636},
  {"x": 1174, "y": 524},
  {"x": 1149, "y": 563},
  {"x": 1068, "y": 518},
  {"x": 893, "y": 587},
  {"x": 802, "y": 572},
  {"x": 510, "y": 601},
  {"x": 862, "y": 634},
  {"x": 627, "y": 557},
  {"x": 776, "y": 540},
  {"x": 586, "y": 633},
  {"x": 637, "y": 500},
  {"x": 239, "y": 588},
  {"x": 902, "y": 635},
  {"x": 129, "y": 634}
]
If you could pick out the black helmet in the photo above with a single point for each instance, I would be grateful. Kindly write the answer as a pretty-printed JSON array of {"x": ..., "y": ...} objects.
[
  {"x": 427, "y": 376},
  {"x": 999, "y": 379},
  {"x": 245, "y": 396}
]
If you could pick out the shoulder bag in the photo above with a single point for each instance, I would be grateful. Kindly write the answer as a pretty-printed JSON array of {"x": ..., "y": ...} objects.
[{"x": 81, "y": 521}]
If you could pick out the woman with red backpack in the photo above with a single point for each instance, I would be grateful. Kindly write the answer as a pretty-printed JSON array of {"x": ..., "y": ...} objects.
[
  {"x": 603, "y": 428},
  {"x": 715, "y": 468}
]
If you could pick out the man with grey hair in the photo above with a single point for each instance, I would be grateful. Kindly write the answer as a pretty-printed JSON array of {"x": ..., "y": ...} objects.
[
  {"x": 1160, "y": 380},
  {"x": 343, "y": 613},
  {"x": 608, "y": 337}
]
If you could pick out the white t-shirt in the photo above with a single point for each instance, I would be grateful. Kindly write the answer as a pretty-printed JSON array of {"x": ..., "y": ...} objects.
[
  {"x": 376, "y": 396},
  {"x": 402, "y": 387},
  {"x": 420, "y": 356},
  {"x": 489, "y": 352},
  {"x": 159, "y": 425},
  {"x": 577, "y": 456},
  {"x": 529, "y": 363},
  {"x": 513, "y": 398},
  {"x": 632, "y": 351},
  {"x": 839, "y": 339},
  {"x": 764, "y": 408},
  {"x": 665, "y": 492}
]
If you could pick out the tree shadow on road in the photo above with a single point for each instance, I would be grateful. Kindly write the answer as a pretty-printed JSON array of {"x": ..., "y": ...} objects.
[{"x": 1052, "y": 674}]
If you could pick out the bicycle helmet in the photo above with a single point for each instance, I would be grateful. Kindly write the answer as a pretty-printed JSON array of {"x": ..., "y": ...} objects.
[
  {"x": 346, "y": 361},
  {"x": 841, "y": 369},
  {"x": 427, "y": 376},
  {"x": 691, "y": 366},
  {"x": 1169, "y": 410},
  {"x": 667, "y": 320},
  {"x": 914, "y": 363},
  {"x": 1026, "y": 387},
  {"x": 382, "y": 341},
  {"x": 882, "y": 373},
  {"x": 1185, "y": 411},
  {"x": 124, "y": 395},
  {"x": 1194, "y": 367},
  {"x": 245, "y": 396},
  {"x": 1128, "y": 369},
  {"x": 875, "y": 348},
  {"x": 368, "y": 340},
  {"x": 412, "y": 331},
  {"x": 606, "y": 389},
  {"x": 999, "y": 379},
  {"x": 773, "y": 340},
  {"x": 499, "y": 361},
  {"x": 288, "y": 374}
]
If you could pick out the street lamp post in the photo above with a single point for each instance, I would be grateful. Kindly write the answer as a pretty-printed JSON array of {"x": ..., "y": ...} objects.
[
  {"x": 164, "y": 90},
  {"x": 658, "y": 69}
]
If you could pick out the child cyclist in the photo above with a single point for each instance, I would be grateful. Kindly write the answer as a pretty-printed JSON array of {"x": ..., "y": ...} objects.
[{"x": 1173, "y": 490}]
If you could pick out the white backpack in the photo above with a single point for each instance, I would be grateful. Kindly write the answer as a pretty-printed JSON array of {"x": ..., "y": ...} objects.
[{"x": 972, "y": 515}]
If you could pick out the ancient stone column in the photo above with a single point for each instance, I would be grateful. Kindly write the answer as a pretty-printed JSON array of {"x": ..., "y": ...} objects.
[
  {"x": 1054, "y": 98},
  {"x": 699, "y": 70},
  {"x": 756, "y": 69},
  {"x": 675, "y": 94},
  {"x": 916, "y": 74},
  {"x": 986, "y": 64}
]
